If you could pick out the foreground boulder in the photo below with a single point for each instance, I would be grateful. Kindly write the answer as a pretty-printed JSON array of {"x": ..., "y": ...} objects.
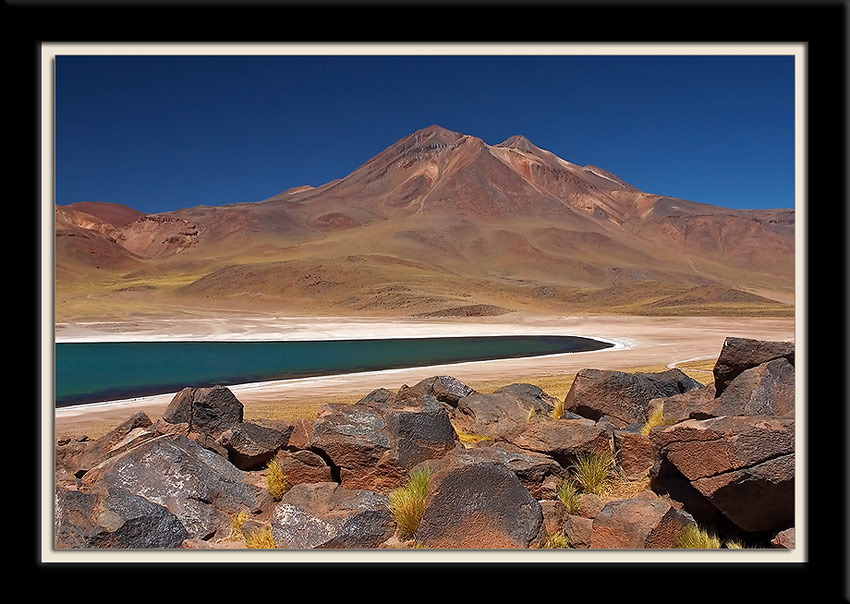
[
  {"x": 743, "y": 465},
  {"x": 638, "y": 523},
  {"x": 373, "y": 446},
  {"x": 136, "y": 428},
  {"x": 251, "y": 445},
  {"x": 202, "y": 489},
  {"x": 623, "y": 398},
  {"x": 766, "y": 389},
  {"x": 503, "y": 413},
  {"x": 475, "y": 503},
  {"x": 326, "y": 515}
]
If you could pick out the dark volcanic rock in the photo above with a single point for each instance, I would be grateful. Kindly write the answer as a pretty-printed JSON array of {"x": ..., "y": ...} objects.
[
  {"x": 303, "y": 466},
  {"x": 766, "y": 389},
  {"x": 740, "y": 354},
  {"x": 444, "y": 388},
  {"x": 374, "y": 447},
  {"x": 699, "y": 403},
  {"x": 251, "y": 445},
  {"x": 202, "y": 489},
  {"x": 479, "y": 505},
  {"x": 503, "y": 413},
  {"x": 563, "y": 439},
  {"x": 623, "y": 398},
  {"x": 116, "y": 520},
  {"x": 136, "y": 428},
  {"x": 210, "y": 411},
  {"x": 328, "y": 516},
  {"x": 743, "y": 465}
]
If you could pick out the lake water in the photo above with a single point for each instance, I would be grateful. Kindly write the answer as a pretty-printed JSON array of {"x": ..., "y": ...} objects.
[{"x": 89, "y": 372}]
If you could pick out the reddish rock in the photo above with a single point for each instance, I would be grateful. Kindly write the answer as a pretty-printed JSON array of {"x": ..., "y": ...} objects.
[
  {"x": 743, "y": 465},
  {"x": 699, "y": 403},
  {"x": 638, "y": 523},
  {"x": 444, "y": 388},
  {"x": 589, "y": 505},
  {"x": 740, "y": 354},
  {"x": 303, "y": 466},
  {"x": 135, "y": 429},
  {"x": 579, "y": 531},
  {"x": 784, "y": 539},
  {"x": 767, "y": 389},
  {"x": 501, "y": 414},
  {"x": 251, "y": 445},
  {"x": 563, "y": 438},
  {"x": 326, "y": 515},
  {"x": 623, "y": 398},
  {"x": 479, "y": 505},
  {"x": 635, "y": 453},
  {"x": 554, "y": 515}
]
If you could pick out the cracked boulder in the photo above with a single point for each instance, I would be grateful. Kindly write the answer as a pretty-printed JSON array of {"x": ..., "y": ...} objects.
[
  {"x": 326, "y": 515},
  {"x": 503, "y": 413},
  {"x": 740, "y": 354},
  {"x": 476, "y": 503},
  {"x": 638, "y": 523},
  {"x": 623, "y": 398},
  {"x": 374, "y": 446},
  {"x": 209, "y": 411},
  {"x": 136, "y": 428},
  {"x": 563, "y": 439},
  {"x": 201, "y": 488},
  {"x": 743, "y": 466},
  {"x": 251, "y": 445},
  {"x": 766, "y": 389}
]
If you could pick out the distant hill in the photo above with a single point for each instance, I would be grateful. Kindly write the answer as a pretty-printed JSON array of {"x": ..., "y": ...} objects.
[{"x": 438, "y": 221}]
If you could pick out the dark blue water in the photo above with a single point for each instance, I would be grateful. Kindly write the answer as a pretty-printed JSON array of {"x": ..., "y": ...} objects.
[{"x": 89, "y": 372}]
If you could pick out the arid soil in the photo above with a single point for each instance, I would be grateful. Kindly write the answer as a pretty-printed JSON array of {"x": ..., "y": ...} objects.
[{"x": 639, "y": 341}]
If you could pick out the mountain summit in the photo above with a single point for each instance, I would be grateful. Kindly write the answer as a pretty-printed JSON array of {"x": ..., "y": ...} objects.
[{"x": 439, "y": 220}]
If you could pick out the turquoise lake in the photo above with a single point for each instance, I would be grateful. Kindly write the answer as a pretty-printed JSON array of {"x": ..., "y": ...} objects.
[{"x": 90, "y": 372}]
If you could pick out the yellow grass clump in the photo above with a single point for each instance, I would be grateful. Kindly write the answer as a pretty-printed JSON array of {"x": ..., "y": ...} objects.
[
  {"x": 407, "y": 503},
  {"x": 556, "y": 540},
  {"x": 260, "y": 539},
  {"x": 276, "y": 481},
  {"x": 593, "y": 471},
  {"x": 696, "y": 537}
]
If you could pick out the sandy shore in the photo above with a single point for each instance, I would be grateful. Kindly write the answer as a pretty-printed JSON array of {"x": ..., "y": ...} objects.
[{"x": 638, "y": 341}]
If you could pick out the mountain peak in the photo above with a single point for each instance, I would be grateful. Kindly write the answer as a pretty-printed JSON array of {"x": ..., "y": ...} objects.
[{"x": 518, "y": 141}]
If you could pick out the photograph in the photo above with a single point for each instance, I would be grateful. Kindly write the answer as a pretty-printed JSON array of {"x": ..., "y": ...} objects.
[{"x": 406, "y": 302}]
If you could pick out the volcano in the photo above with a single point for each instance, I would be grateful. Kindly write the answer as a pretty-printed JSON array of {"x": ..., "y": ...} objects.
[{"x": 438, "y": 224}]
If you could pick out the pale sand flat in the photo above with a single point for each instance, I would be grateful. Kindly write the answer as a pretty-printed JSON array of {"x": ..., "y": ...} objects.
[{"x": 639, "y": 341}]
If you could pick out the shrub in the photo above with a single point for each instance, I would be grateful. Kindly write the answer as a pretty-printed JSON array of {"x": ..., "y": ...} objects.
[
  {"x": 568, "y": 494},
  {"x": 556, "y": 540},
  {"x": 238, "y": 520},
  {"x": 695, "y": 537},
  {"x": 260, "y": 539},
  {"x": 276, "y": 480},
  {"x": 593, "y": 471},
  {"x": 407, "y": 503},
  {"x": 656, "y": 418}
]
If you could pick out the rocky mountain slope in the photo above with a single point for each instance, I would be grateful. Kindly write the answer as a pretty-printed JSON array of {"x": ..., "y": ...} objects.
[{"x": 437, "y": 221}]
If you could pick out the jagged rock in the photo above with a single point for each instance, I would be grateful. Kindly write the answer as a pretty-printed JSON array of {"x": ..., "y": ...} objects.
[
  {"x": 133, "y": 429},
  {"x": 534, "y": 470},
  {"x": 699, "y": 403},
  {"x": 374, "y": 448},
  {"x": 623, "y": 398},
  {"x": 444, "y": 388},
  {"x": 328, "y": 516},
  {"x": 500, "y": 414},
  {"x": 251, "y": 445},
  {"x": 635, "y": 453},
  {"x": 303, "y": 466},
  {"x": 784, "y": 539},
  {"x": 740, "y": 354},
  {"x": 210, "y": 411},
  {"x": 478, "y": 504},
  {"x": 743, "y": 465},
  {"x": 638, "y": 523},
  {"x": 766, "y": 389},
  {"x": 563, "y": 439},
  {"x": 202, "y": 489},
  {"x": 554, "y": 515},
  {"x": 588, "y": 505},
  {"x": 578, "y": 530},
  {"x": 114, "y": 519}
]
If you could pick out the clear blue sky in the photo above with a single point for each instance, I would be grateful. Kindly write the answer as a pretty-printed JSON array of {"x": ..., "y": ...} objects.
[{"x": 162, "y": 133}]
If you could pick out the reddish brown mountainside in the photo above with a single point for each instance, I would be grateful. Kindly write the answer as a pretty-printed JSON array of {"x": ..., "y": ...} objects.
[{"x": 439, "y": 220}]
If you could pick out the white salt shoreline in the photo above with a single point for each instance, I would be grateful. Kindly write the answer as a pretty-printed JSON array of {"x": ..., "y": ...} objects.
[{"x": 638, "y": 341}]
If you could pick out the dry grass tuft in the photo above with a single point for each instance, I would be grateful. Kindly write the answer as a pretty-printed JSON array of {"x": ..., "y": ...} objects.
[
  {"x": 695, "y": 537},
  {"x": 260, "y": 539},
  {"x": 407, "y": 503},
  {"x": 593, "y": 471},
  {"x": 276, "y": 481},
  {"x": 556, "y": 540}
]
